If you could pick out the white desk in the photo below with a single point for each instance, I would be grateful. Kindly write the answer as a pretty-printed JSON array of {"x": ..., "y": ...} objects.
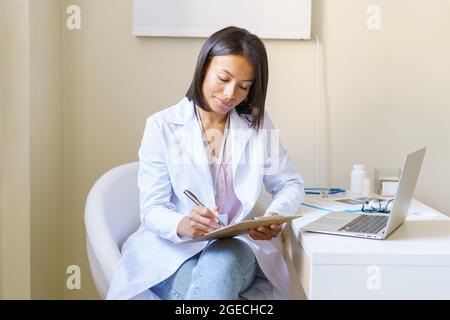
[{"x": 412, "y": 263}]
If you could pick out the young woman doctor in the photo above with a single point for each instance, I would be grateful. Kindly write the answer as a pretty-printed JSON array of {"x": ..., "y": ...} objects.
[{"x": 217, "y": 143}]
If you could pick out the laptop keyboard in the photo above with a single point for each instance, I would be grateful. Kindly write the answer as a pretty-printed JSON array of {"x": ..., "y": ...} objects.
[{"x": 366, "y": 224}]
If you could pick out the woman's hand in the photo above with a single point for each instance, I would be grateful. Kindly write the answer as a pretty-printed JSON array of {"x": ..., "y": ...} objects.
[
  {"x": 266, "y": 233},
  {"x": 199, "y": 221}
]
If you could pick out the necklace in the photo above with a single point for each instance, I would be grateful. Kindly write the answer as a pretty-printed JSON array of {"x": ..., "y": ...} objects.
[
  {"x": 213, "y": 149},
  {"x": 217, "y": 162}
]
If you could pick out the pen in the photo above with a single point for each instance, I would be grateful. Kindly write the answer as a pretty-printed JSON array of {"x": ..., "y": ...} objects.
[{"x": 194, "y": 199}]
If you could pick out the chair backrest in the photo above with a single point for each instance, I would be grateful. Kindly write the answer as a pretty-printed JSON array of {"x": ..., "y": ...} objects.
[{"x": 111, "y": 215}]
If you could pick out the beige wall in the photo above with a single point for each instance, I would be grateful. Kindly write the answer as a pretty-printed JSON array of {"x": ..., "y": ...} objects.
[
  {"x": 1, "y": 146},
  {"x": 46, "y": 224},
  {"x": 31, "y": 198},
  {"x": 15, "y": 150},
  {"x": 388, "y": 89}
]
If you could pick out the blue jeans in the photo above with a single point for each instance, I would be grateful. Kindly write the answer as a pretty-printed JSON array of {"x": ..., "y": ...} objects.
[{"x": 223, "y": 270}]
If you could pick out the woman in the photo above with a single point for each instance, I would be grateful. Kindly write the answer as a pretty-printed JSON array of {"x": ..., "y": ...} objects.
[{"x": 218, "y": 143}]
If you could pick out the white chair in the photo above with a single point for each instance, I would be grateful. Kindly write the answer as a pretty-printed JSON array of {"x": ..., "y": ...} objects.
[{"x": 112, "y": 214}]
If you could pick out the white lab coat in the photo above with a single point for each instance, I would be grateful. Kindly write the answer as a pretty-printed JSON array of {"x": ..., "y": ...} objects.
[{"x": 172, "y": 159}]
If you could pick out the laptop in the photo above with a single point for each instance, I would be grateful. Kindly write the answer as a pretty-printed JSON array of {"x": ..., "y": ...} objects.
[{"x": 375, "y": 225}]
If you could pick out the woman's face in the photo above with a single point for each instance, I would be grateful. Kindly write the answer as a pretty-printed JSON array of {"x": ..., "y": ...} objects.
[{"x": 227, "y": 82}]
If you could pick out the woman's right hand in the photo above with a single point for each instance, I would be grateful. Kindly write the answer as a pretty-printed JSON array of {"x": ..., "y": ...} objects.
[{"x": 199, "y": 221}]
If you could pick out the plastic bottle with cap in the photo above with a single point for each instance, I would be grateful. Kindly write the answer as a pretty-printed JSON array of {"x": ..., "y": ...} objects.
[{"x": 358, "y": 175}]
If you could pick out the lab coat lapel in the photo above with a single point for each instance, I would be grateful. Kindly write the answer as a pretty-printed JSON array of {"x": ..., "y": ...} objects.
[
  {"x": 240, "y": 134},
  {"x": 192, "y": 150},
  {"x": 244, "y": 188}
]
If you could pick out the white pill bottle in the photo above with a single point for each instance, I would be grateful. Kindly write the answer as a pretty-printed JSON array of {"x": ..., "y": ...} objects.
[{"x": 359, "y": 173}]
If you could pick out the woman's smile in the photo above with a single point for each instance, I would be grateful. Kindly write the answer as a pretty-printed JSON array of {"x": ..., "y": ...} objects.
[{"x": 223, "y": 105}]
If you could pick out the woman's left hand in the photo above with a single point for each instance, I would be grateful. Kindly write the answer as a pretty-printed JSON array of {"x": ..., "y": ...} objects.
[{"x": 266, "y": 233}]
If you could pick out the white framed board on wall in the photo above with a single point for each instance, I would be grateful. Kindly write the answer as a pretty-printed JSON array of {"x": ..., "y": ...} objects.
[{"x": 269, "y": 19}]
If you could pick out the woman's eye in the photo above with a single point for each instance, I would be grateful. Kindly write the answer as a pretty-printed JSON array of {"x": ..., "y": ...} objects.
[
  {"x": 245, "y": 88},
  {"x": 222, "y": 79}
]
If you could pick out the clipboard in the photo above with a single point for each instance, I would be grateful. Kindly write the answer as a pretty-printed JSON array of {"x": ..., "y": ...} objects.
[{"x": 242, "y": 227}]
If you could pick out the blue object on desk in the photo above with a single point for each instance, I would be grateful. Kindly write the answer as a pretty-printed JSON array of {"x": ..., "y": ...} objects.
[{"x": 327, "y": 190}]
